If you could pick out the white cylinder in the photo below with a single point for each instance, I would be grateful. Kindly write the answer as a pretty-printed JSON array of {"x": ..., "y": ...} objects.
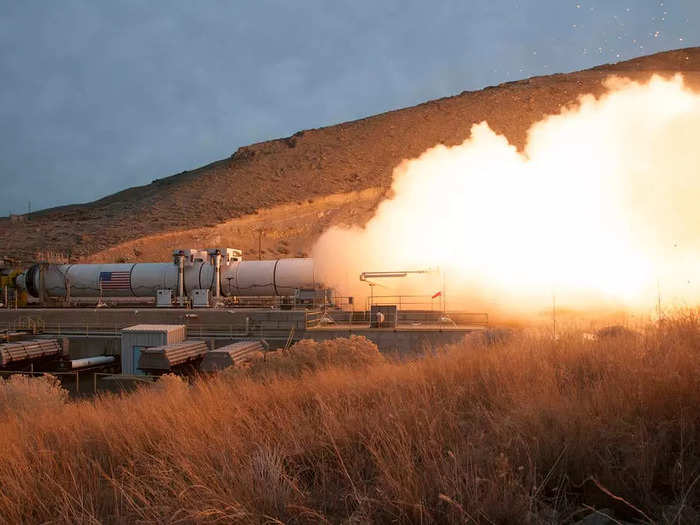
[
  {"x": 92, "y": 361},
  {"x": 266, "y": 278},
  {"x": 148, "y": 278},
  {"x": 89, "y": 280},
  {"x": 106, "y": 280},
  {"x": 238, "y": 278},
  {"x": 294, "y": 274},
  {"x": 249, "y": 278},
  {"x": 199, "y": 276}
]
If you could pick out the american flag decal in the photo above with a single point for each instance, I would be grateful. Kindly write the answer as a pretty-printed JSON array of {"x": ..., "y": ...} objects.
[{"x": 114, "y": 280}]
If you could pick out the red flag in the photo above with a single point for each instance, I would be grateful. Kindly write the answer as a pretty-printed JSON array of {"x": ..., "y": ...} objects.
[{"x": 438, "y": 294}]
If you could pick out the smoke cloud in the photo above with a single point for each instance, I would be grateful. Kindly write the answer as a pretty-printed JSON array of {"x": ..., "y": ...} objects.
[{"x": 601, "y": 209}]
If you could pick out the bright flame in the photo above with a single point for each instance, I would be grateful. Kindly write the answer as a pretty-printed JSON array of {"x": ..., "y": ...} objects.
[{"x": 602, "y": 209}]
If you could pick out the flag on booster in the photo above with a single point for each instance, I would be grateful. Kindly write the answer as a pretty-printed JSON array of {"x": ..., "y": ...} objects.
[
  {"x": 437, "y": 294},
  {"x": 114, "y": 280}
]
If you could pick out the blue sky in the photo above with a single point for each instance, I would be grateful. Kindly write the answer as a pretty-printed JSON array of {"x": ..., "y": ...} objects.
[{"x": 99, "y": 95}]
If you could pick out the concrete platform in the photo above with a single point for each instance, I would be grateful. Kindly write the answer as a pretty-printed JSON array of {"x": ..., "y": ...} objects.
[
  {"x": 96, "y": 331},
  {"x": 402, "y": 339}
]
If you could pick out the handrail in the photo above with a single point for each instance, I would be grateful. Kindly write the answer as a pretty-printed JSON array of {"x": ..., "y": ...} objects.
[{"x": 145, "y": 378}]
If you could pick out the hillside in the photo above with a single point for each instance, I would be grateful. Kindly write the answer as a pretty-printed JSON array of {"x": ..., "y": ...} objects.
[{"x": 303, "y": 183}]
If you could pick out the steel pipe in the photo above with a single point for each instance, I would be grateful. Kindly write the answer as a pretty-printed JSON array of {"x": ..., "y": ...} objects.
[{"x": 92, "y": 361}]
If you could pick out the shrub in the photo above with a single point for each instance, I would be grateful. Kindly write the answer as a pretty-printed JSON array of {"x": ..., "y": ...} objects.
[
  {"x": 310, "y": 356},
  {"x": 23, "y": 395}
]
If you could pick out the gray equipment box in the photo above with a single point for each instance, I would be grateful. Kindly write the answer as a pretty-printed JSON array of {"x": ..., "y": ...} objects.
[
  {"x": 200, "y": 298},
  {"x": 383, "y": 316},
  {"x": 164, "y": 299}
]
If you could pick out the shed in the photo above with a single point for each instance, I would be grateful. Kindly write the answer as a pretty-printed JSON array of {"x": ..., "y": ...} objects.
[{"x": 141, "y": 336}]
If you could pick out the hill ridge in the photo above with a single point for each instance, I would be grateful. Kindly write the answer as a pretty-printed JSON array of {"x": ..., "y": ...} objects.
[{"x": 310, "y": 164}]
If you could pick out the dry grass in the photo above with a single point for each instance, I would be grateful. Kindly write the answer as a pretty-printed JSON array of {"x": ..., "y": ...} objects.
[
  {"x": 527, "y": 430},
  {"x": 311, "y": 356}
]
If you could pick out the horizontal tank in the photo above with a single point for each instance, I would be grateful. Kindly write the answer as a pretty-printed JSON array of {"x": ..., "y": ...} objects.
[
  {"x": 267, "y": 278},
  {"x": 294, "y": 274},
  {"x": 199, "y": 276},
  {"x": 95, "y": 280},
  {"x": 238, "y": 278}
]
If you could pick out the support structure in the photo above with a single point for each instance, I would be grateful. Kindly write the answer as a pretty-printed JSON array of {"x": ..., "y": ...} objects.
[{"x": 179, "y": 260}]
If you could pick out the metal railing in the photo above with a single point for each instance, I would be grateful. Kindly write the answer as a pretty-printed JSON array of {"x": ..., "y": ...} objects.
[
  {"x": 412, "y": 317},
  {"x": 250, "y": 327},
  {"x": 405, "y": 302},
  {"x": 257, "y": 327},
  {"x": 77, "y": 374},
  {"x": 26, "y": 323},
  {"x": 313, "y": 319}
]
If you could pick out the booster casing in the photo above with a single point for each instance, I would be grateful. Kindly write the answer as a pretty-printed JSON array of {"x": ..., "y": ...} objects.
[{"x": 238, "y": 278}]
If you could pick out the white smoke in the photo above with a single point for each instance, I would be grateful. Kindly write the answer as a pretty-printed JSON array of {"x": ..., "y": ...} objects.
[{"x": 601, "y": 209}]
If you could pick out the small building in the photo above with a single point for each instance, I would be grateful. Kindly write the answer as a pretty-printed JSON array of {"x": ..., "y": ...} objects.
[{"x": 136, "y": 338}]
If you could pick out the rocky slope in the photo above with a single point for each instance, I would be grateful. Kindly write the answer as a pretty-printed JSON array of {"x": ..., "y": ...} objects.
[{"x": 297, "y": 175}]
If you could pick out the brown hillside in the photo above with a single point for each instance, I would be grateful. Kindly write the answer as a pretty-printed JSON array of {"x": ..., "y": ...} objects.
[{"x": 295, "y": 176}]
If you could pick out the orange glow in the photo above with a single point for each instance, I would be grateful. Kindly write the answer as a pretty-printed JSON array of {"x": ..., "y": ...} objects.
[{"x": 602, "y": 209}]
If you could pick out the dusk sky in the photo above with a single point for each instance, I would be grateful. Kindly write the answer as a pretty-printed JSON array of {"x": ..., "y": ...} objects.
[{"x": 97, "y": 96}]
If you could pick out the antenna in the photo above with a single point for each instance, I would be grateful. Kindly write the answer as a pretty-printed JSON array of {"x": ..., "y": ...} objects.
[
  {"x": 260, "y": 233},
  {"x": 554, "y": 315}
]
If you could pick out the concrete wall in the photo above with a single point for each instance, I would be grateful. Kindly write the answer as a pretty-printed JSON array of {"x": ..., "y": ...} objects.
[
  {"x": 87, "y": 347},
  {"x": 115, "y": 319},
  {"x": 97, "y": 331},
  {"x": 400, "y": 341}
]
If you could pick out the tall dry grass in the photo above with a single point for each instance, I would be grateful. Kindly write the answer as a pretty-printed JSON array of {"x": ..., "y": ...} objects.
[{"x": 521, "y": 430}]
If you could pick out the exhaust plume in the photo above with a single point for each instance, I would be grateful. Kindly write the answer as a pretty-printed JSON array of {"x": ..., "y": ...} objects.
[{"x": 600, "y": 210}]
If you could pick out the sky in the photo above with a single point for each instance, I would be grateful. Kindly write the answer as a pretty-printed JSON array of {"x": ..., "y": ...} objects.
[{"x": 100, "y": 95}]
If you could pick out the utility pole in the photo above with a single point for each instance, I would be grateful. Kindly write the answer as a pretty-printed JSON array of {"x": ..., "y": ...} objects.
[
  {"x": 260, "y": 232},
  {"x": 442, "y": 291},
  {"x": 554, "y": 316}
]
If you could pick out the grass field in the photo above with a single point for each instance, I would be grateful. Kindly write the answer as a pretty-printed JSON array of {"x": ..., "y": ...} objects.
[{"x": 525, "y": 430}]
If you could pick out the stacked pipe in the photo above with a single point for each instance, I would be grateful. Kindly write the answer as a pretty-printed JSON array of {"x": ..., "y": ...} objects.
[
  {"x": 164, "y": 358},
  {"x": 27, "y": 350},
  {"x": 230, "y": 355}
]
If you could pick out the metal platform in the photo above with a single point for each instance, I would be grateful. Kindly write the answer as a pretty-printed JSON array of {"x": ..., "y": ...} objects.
[{"x": 96, "y": 331}]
